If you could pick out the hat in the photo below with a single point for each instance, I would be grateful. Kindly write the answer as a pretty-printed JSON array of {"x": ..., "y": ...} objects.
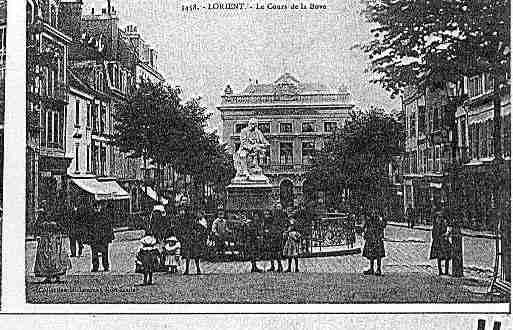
[
  {"x": 159, "y": 208},
  {"x": 171, "y": 239},
  {"x": 148, "y": 241}
]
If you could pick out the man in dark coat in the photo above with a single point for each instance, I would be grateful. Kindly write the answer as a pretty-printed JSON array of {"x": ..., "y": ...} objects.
[
  {"x": 273, "y": 229},
  {"x": 77, "y": 217},
  {"x": 192, "y": 235},
  {"x": 305, "y": 218},
  {"x": 100, "y": 235},
  {"x": 252, "y": 240}
]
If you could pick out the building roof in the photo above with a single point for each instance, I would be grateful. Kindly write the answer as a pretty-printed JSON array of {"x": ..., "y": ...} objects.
[{"x": 288, "y": 84}]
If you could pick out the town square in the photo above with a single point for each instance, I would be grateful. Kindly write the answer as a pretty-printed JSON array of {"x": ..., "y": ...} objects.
[{"x": 346, "y": 153}]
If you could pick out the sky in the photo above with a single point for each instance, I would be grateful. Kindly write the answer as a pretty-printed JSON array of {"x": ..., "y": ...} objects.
[{"x": 203, "y": 51}]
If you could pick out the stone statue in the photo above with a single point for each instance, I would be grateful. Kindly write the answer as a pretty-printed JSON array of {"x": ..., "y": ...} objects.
[{"x": 252, "y": 146}]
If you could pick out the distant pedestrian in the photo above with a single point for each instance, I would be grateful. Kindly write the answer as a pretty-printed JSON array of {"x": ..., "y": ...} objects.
[
  {"x": 52, "y": 259},
  {"x": 374, "y": 248},
  {"x": 292, "y": 247},
  {"x": 76, "y": 230},
  {"x": 100, "y": 234},
  {"x": 192, "y": 235},
  {"x": 410, "y": 217},
  {"x": 274, "y": 241},
  {"x": 158, "y": 223},
  {"x": 171, "y": 254},
  {"x": 220, "y": 232},
  {"x": 440, "y": 245},
  {"x": 252, "y": 231},
  {"x": 147, "y": 260}
]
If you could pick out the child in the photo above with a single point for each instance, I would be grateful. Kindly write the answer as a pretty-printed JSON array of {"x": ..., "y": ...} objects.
[
  {"x": 147, "y": 259},
  {"x": 292, "y": 246},
  {"x": 171, "y": 254}
]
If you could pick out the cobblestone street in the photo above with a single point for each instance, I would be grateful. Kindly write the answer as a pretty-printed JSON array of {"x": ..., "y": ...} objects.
[{"x": 409, "y": 277}]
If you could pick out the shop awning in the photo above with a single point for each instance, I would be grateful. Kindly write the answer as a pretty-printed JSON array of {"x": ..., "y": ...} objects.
[
  {"x": 102, "y": 190},
  {"x": 153, "y": 195}
]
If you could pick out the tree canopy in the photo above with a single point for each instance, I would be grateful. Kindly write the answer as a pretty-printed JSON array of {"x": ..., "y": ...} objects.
[
  {"x": 356, "y": 157},
  {"x": 440, "y": 40},
  {"x": 154, "y": 123}
]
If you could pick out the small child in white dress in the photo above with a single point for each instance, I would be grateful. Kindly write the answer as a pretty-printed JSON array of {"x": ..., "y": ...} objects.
[{"x": 171, "y": 254}]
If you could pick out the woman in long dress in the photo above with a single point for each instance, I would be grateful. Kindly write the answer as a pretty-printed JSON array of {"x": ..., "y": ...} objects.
[
  {"x": 374, "y": 248},
  {"x": 52, "y": 260},
  {"x": 440, "y": 246}
]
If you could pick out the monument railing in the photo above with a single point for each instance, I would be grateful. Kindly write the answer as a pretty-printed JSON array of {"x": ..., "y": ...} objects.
[{"x": 331, "y": 231}]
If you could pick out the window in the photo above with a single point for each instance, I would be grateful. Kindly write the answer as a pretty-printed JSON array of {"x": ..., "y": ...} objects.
[
  {"x": 50, "y": 128},
  {"x": 308, "y": 127},
  {"x": 94, "y": 159},
  {"x": 506, "y": 136},
  {"x": 488, "y": 82},
  {"x": 264, "y": 127},
  {"x": 330, "y": 126},
  {"x": 436, "y": 118},
  {"x": 286, "y": 155},
  {"x": 489, "y": 135},
  {"x": 77, "y": 113},
  {"x": 103, "y": 160},
  {"x": 53, "y": 16},
  {"x": 412, "y": 125},
  {"x": 76, "y": 158},
  {"x": 88, "y": 159},
  {"x": 94, "y": 118},
  {"x": 307, "y": 151},
  {"x": 103, "y": 119},
  {"x": 237, "y": 146},
  {"x": 88, "y": 115},
  {"x": 239, "y": 127},
  {"x": 44, "y": 125},
  {"x": 429, "y": 153},
  {"x": 422, "y": 119},
  {"x": 285, "y": 127},
  {"x": 437, "y": 159},
  {"x": 475, "y": 86}
]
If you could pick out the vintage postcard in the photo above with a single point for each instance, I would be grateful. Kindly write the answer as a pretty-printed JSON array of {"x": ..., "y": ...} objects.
[{"x": 344, "y": 153}]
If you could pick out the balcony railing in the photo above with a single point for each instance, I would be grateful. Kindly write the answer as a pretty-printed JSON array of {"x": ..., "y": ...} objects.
[{"x": 285, "y": 98}]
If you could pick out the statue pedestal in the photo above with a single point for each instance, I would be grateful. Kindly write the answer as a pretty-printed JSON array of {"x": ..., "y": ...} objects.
[{"x": 249, "y": 194}]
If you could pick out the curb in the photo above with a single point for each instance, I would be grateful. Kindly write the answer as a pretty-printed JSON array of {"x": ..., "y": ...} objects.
[{"x": 464, "y": 233}]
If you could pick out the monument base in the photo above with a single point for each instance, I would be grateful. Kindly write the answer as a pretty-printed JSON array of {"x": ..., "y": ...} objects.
[{"x": 245, "y": 195}]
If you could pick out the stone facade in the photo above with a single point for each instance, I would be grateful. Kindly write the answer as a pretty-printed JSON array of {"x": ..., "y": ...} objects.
[{"x": 295, "y": 118}]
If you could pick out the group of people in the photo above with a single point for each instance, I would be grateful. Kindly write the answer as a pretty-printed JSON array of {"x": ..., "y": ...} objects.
[
  {"x": 271, "y": 235},
  {"x": 83, "y": 225}
]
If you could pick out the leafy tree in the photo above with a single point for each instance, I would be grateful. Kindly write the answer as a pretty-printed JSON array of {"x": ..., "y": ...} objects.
[
  {"x": 355, "y": 159},
  {"x": 156, "y": 125}
]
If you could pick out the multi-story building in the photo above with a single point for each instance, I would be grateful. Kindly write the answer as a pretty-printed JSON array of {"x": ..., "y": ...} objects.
[
  {"x": 449, "y": 141},
  {"x": 484, "y": 174},
  {"x": 47, "y": 99},
  {"x": 428, "y": 148},
  {"x": 295, "y": 117},
  {"x": 106, "y": 63}
]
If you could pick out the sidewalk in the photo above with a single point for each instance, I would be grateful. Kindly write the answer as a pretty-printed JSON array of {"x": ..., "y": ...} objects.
[{"x": 465, "y": 232}]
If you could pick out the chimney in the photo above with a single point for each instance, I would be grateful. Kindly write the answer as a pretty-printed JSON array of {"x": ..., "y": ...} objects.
[{"x": 108, "y": 7}]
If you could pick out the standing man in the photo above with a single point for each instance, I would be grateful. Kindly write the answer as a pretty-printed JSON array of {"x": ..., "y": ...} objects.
[
  {"x": 220, "y": 232},
  {"x": 252, "y": 240},
  {"x": 101, "y": 234},
  {"x": 75, "y": 230},
  {"x": 192, "y": 235}
]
